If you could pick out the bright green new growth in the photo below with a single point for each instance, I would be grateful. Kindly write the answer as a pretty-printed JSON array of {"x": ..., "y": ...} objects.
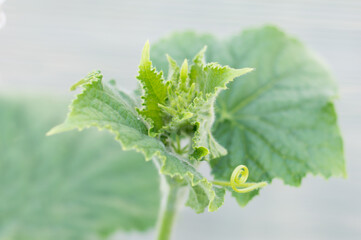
[
  {"x": 155, "y": 91},
  {"x": 181, "y": 111},
  {"x": 183, "y": 106},
  {"x": 238, "y": 181}
]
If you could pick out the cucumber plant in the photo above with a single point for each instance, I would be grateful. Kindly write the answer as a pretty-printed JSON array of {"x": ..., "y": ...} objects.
[{"x": 275, "y": 120}]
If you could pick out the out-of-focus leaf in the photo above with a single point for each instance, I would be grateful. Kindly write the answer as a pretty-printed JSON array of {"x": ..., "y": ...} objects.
[
  {"x": 279, "y": 120},
  {"x": 69, "y": 187}
]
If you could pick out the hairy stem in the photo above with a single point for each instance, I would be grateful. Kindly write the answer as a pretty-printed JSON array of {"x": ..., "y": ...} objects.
[{"x": 169, "y": 207}]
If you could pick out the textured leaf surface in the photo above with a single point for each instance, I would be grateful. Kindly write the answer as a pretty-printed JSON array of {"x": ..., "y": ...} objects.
[
  {"x": 279, "y": 120},
  {"x": 155, "y": 91},
  {"x": 102, "y": 106},
  {"x": 190, "y": 102},
  {"x": 72, "y": 186},
  {"x": 210, "y": 79}
]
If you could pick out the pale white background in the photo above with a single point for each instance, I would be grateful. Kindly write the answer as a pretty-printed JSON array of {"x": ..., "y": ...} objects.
[{"x": 49, "y": 44}]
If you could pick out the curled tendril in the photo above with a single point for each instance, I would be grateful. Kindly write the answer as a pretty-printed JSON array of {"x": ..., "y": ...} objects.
[{"x": 238, "y": 181}]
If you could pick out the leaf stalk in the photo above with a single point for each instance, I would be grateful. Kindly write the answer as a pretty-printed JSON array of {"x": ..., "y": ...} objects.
[{"x": 171, "y": 196}]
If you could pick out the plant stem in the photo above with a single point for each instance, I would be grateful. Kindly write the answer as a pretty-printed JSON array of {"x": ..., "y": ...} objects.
[{"x": 169, "y": 207}]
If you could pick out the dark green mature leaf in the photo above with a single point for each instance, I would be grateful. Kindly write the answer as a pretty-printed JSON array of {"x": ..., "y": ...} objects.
[
  {"x": 69, "y": 187},
  {"x": 107, "y": 108},
  {"x": 279, "y": 120}
]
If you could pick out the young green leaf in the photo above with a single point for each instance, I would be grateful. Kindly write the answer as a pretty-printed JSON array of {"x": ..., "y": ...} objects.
[
  {"x": 102, "y": 106},
  {"x": 155, "y": 91},
  {"x": 279, "y": 120},
  {"x": 210, "y": 79},
  {"x": 190, "y": 102}
]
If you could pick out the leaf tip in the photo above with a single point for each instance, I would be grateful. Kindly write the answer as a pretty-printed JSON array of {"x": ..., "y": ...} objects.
[
  {"x": 59, "y": 129},
  {"x": 243, "y": 71},
  {"x": 199, "y": 58},
  {"x": 52, "y": 131},
  {"x": 184, "y": 69},
  {"x": 93, "y": 76},
  {"x": 145, "y": 53},
  {"x": 169, "y": 58}
]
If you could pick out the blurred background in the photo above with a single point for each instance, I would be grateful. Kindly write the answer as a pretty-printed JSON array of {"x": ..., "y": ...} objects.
[{"x": 46, "y": 46}]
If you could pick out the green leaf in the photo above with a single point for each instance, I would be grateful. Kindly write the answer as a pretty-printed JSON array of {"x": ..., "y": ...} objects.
[
  {"x": 210, "y": 79},
  {"x": 174, "y": 71},
  {"x": 102, "y": 106},
  {"x": 279, "y": 120},
  {"x": 190, "y": 102},
  {"x": 155, "y": 91},
  {"x": 213, "y": 77},
  {"x": 108, "y": 108},
  {"x": 72, "y": 186}
]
